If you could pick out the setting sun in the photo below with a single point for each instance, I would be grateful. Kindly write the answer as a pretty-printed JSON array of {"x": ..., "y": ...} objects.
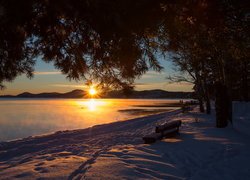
[{"x": 92, "y": 91}]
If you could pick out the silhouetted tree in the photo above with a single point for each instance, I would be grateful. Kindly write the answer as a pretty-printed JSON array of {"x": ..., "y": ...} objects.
[
  {"x": 16, "y": 55},
  {"x": 204, "y": 36},
  {"x": 109, "y": 41}
]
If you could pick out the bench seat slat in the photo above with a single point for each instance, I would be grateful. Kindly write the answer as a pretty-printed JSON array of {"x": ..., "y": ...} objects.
[
  {"x": 166, "y": 130},
  {"x": 167, "y": 126}
]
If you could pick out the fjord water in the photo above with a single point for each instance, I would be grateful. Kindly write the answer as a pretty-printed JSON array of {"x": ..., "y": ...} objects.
[{"x": 26, "y": 117}]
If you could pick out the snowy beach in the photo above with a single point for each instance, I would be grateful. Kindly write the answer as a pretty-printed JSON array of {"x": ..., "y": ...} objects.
[{"x": 116, "y": 151}]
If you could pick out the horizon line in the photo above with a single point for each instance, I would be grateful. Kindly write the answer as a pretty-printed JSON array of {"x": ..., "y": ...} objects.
[{"x": 85, "y": 90}]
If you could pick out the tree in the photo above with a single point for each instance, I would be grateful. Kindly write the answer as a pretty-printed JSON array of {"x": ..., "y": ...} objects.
[
  {"x": 204, "y": 35},
  {"x": 108, "y": 41},
  {"x": 16, "y": 56}
]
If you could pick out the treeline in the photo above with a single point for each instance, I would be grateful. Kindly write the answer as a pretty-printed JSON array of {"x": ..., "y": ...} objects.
[
  {"x": 210, "y": 42},
  {"x": 113, "y": 42}
]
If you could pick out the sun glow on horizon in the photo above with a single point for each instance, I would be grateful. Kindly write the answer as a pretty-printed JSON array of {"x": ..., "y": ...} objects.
[{"x": 92, "y": 91}]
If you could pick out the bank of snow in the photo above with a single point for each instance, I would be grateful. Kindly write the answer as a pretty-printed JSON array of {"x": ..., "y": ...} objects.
[{"x": 116, "y": 151}]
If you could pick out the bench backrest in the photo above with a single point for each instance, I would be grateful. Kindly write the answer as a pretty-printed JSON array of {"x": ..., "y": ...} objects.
[{"x": 167, "y": 126}]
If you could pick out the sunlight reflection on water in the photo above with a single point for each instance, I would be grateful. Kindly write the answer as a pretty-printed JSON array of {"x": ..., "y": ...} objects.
[
  {"x": 25, "y": 117},
  {"x": 93, "y": 104}
]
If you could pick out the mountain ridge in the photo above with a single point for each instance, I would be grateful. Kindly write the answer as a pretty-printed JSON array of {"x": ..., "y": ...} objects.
[{"x": 77, "y": 93}]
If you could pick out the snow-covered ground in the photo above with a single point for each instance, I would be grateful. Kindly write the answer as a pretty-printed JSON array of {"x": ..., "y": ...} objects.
[
  {"x": 241, "y": 116},
  {"x": 116, "y": 151}
]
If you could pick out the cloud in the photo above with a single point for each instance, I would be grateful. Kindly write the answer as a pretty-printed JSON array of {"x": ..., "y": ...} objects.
[
  {"x": 47, "y": 72},
  {"x": 153, "y": 74},
  {"x": 69, "y": 85},
  {"x": 182, "y": 86},
  {"x": 139, "y": 84}
]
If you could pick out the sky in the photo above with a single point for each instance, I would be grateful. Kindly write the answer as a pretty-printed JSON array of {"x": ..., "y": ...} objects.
[{"x": 48, "y": 79}]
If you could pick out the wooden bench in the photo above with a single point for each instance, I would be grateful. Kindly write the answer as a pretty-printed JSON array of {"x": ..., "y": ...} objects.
[{"x": 165, "y": 130}]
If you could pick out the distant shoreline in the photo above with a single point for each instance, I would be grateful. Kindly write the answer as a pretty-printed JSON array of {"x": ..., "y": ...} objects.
[
  {"x": 47, "y": 98},
  {"x": 146, "y": 94}
]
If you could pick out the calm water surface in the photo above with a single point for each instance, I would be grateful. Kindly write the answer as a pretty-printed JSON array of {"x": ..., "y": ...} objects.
[{"x": 25, "y": 117}]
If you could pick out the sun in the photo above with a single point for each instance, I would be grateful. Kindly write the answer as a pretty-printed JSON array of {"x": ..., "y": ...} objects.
[{"x": 92, "y": 91}]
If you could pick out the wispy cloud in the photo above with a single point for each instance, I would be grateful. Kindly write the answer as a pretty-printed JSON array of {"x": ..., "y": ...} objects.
[
  {"x": 139, "y": 84},
  {"x": 47, "y": 72},
  {"x": 153, "y": 74},
  {"x": 69, "y": 85},
  {"x": 180, "y": 86}
]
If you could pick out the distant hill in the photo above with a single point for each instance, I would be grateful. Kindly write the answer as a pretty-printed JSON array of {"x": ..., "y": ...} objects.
[
  {"x": 147, "y": 94},
  {"x": 72, "y": 94}
]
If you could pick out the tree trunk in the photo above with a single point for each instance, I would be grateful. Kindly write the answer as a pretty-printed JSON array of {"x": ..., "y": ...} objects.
[
  {"x": 207, "y": 97},
  {"x": 208, "y": 106},
  {"x": 201, "y": 105},
  {"x": 221, "y": 105},
  {"x": 244, "y": 81},
  {"x": 230, "y": 109}
]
